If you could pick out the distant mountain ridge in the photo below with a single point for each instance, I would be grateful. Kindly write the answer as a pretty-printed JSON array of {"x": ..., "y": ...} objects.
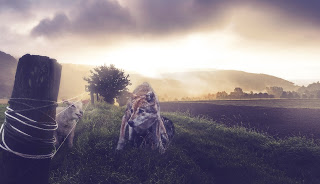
[
  {"x": 7, "y": 73},
  {"x": 204, "y": 82},
  {"x": 172, "y": 85}
]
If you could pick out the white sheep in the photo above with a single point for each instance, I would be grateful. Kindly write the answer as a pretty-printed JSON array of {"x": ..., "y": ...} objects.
[{"x": 67, "y": 118}]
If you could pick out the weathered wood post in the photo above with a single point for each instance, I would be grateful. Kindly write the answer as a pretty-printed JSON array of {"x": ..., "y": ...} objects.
[{"x": 37, "y": 78}]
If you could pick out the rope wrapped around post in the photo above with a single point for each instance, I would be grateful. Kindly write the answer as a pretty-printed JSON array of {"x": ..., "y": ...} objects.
[{"x": 26, "y": 137}]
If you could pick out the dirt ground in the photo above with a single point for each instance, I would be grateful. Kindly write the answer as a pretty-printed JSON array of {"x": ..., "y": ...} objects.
[
  {"x": 3, "y": 101},
  {"x": 278, "y": 122}
]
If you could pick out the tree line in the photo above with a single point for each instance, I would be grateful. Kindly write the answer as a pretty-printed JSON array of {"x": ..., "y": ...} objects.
[{"x": 312, "y": 91}]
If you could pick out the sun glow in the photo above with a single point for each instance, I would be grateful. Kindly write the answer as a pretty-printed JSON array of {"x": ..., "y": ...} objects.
[
  {"x": 153, "y": 58},
  {"x": 214, "y": 50}
]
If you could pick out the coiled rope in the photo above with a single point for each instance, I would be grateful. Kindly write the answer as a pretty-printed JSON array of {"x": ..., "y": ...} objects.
[{"x": 26, "y": 137}]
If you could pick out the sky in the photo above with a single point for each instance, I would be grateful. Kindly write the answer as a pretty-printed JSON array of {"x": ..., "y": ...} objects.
[{"x": 275, "y": 37}]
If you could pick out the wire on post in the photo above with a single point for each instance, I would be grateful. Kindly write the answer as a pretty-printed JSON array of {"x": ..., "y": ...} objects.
[{"x": 26, "y": 137}]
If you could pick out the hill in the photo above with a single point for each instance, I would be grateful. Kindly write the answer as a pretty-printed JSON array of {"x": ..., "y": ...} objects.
[
  {"x": 178, "y": 85},
  {"x": 203, "y": 82},
  {"x": 168, "y": 85},
  {"x": 7, "y": 73}
]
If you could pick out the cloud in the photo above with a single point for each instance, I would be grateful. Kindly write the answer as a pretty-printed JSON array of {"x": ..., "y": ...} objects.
[
  {"x": 166, "y": 16},
  {"x": 297, "y": 9},
  {"x": 272, "y": 20},
  {"x": 15, "y": 5},
  {"x": 153, "y": 17},
  {"x": 265, "y": 23},
  {"x": 102, "y": 16},
  {"x": 136, "y": 17},
  {"x": 52, "y": 27},
  {"x": 89, "y": 17}
]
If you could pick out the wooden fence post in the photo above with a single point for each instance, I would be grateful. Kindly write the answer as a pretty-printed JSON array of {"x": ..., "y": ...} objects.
[{"x": 37, "y": 77}]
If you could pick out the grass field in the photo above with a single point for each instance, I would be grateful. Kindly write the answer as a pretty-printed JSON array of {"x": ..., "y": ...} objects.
[
  {"x": 2, "y": 109},
  {"x": 202, "y": 151}
]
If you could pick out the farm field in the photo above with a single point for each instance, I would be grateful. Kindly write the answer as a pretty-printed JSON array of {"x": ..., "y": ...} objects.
[
  {"x": 202, "y": 151},
  {"x": 261, "y": 115},
  {"x": 276, "y": 103}
]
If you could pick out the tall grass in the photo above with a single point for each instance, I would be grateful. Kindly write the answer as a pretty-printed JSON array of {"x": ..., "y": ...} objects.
[
  {"x": 2, "y": 109},
  {"x": 202, "y": 151}
]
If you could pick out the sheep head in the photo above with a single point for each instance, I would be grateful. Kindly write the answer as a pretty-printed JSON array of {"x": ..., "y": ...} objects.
[{"x": 74, "y": 110}]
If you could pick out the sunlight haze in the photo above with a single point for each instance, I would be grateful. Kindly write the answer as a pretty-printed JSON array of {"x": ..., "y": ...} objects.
[{"x": 151, "y": 38}]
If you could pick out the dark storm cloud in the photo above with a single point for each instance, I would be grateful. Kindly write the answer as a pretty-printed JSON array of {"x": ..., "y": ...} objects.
[
  {"x": 145, "y": 16},
  {"x": 89, "y": 17},
  {"x": 52, "y": 27},
  {"x": 166, "y": 16}
]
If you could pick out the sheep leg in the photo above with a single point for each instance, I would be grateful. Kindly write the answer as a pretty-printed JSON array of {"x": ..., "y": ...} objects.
[{"x": 70, "y": 139}]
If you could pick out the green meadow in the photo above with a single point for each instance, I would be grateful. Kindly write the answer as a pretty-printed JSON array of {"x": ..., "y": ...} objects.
[{"x": 202, "y": 151}]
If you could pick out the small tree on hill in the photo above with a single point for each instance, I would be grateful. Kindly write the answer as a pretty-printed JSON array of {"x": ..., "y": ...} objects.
[{"x": 108, "y": 82}]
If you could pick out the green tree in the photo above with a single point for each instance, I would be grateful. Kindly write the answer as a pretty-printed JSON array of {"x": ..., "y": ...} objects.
[{"x": 108, "y": 82}]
